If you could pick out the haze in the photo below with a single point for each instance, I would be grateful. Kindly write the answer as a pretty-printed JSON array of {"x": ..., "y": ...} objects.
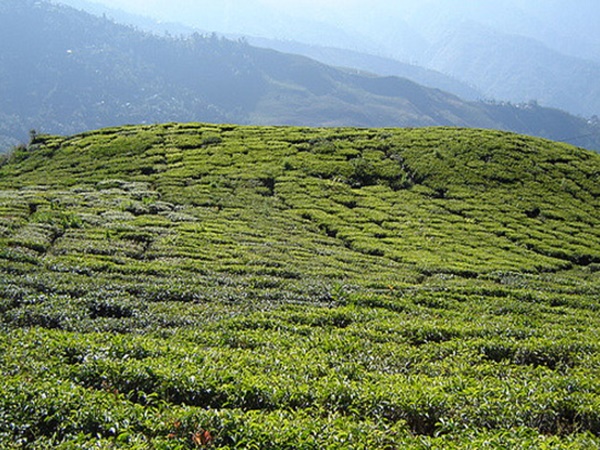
[
  {"x": 398, "y": 28},
  {"x": 547, "y": 51}
]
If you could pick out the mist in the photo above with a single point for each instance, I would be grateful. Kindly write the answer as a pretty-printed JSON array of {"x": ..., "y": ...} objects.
[{"x": 381, "y": 26}]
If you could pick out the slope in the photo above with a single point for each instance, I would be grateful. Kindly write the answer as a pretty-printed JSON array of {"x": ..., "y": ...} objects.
[
  {"x": 332, "y": 56},
  {"x": 517, "y": 68},
  {"x": 370, "y": 63},
  {"x": 73, "y": 72},
  {"x": 220, "y": 286},
  {"x": 518, "y": 51}
]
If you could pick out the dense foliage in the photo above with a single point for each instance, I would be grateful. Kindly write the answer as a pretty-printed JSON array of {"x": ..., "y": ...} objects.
[
  {"x": 213, "y": 286},
  {"x": 64, "y": 71}
]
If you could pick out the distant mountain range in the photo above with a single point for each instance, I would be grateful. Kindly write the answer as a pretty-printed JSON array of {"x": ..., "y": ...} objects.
[
  {"x": 511, "y": 50},
  {"x": 373, "y": 64},
  {"x": 72, "y": 71},
  {"x": 330, "y": 55},
  {"x": 513, "y": 68}
]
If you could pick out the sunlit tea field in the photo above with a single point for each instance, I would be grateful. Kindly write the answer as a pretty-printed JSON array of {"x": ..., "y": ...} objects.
[{"x": 212, "y": 286}]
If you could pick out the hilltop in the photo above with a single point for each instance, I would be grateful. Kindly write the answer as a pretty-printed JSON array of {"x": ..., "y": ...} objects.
[
  {"x": 221, "y": 286},
  {"x": 73, "y": 72},
  {"x": 358, "y": 185}
]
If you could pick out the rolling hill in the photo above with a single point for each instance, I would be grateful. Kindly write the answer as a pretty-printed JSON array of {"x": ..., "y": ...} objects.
[
  {"x": 72, "y": 72},
  {"x": 222, "y": 286}
]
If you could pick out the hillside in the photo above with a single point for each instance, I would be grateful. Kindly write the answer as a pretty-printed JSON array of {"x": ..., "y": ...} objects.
[
  {"x": 516, "y": 68},
  {"x": 332, "y": 56},
  {"x": 511, "y": 50},
  {"x": 222, "y": 286},
  {"x": 72, "y": 72},
  {"x": 369, "y": 63}
]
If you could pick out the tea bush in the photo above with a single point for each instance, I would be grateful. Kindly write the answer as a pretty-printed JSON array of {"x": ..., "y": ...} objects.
[{"x": 217, "y": 286}]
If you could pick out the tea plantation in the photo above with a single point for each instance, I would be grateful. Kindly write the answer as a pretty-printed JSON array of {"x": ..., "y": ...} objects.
[{"x": 186, "y": 286}]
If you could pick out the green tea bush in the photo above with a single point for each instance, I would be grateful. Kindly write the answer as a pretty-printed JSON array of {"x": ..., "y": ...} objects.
[{"x": 218, "y": 286}]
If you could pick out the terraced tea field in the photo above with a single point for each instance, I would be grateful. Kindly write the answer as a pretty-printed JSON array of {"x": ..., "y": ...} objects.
[{"x": 211, "y": 286}]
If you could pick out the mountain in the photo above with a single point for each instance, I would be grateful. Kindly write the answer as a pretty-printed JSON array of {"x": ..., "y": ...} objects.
[
  {"x": 567, "y": 28},
  {"x": 219, "y": 286},
  {"x": 517, "y": 68},
  {"x": 571, "y": 31},
  {"x": 96, "y": 73},
  {"x": 247, "y": 18},
  {"x": 333, "y": 56},
  {"x": 510, "y": 50},
  {"x": 368, "y": 63}
]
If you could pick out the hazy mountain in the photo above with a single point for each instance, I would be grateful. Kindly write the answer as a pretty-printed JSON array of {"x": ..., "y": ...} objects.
[
  {"x": 336, "y": 56},
  {"x": 516, "y": 68},
  {"x": 248, "y": 18},
  {"x": 72, "y": 71},
  {"x": 373, "y": 64},
  {"x": 140, "y": 21},
  {"x": 518, "y": 50},
  {"x": 569, "y": 27},
  {"x": 409, "y": 26}
]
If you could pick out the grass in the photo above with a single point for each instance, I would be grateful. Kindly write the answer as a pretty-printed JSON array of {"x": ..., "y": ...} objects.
[{"x": 215, "y": 286}]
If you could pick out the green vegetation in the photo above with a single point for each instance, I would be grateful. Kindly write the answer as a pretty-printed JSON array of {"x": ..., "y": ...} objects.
[{"x": 215, "y": 286}]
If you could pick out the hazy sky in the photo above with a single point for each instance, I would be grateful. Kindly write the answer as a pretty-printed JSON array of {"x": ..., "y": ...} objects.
[
  {"x": 158, "y": 5},
  {"x": 569, "y": 13}
]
